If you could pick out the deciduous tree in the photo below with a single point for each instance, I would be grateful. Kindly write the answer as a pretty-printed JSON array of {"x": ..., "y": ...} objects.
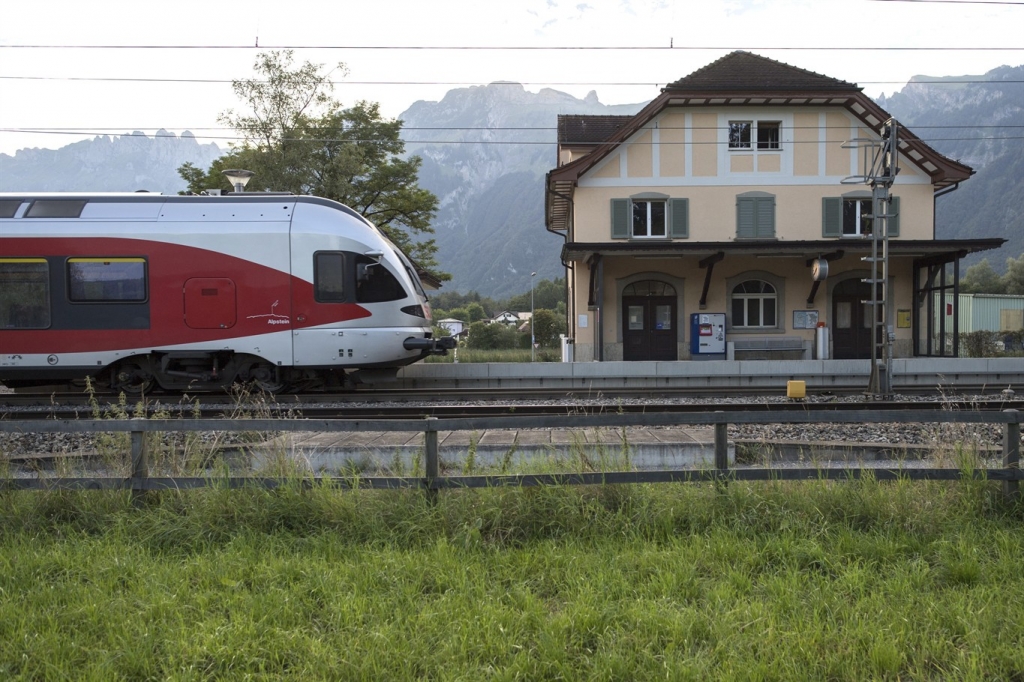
[
  {"x": 297, "y": 138},
  {"x": 1013, "y": 280},
  {"x": 981, "y": 278},
  {"x": 547, "y": 326}
]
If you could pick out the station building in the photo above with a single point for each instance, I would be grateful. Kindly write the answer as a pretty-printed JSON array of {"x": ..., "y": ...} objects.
[{"x": 729, "y": 196}]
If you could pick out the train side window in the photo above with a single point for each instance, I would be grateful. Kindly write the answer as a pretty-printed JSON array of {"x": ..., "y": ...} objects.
[
  {"x": 329, "y": 277},
  {"x": 24, "y": 293},
  {"x": 107, "y": 280},
  {"x": 9, "y": 207},
  {"x": 55, "y": 208},
  {"x": 376, "y": 283}
]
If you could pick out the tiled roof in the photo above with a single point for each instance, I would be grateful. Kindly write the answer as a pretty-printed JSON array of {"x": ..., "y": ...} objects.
[
  {"x": 746, "y": 71},
  {"x": 588, "y": 130},
  {"x": 738, "y": 79}
]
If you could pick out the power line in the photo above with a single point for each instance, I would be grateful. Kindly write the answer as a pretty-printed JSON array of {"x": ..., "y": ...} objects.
[
  {"x": 960, "y": 2},
  {"x": 507, "y": 142},
  {"x": 106, "y": 79},
  {"x": 106, "y": 129},
  {"x": 521, "y": 48}
]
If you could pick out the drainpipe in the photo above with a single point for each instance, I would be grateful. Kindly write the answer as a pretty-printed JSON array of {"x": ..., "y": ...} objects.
[{"x": 570, "y": 269}]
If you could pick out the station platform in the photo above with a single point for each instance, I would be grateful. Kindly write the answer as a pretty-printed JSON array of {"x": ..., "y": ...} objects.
[
  {"x": 633, "y": 447},
  {"x": 910, "y": 374}
]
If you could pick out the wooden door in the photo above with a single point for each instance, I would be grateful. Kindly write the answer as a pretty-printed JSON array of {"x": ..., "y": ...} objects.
[
  {"x": 851, "y": 320},
  {"x": 648, "y": 328}
]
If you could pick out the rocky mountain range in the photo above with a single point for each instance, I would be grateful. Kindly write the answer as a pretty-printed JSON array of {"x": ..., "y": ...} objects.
[
  {"x": 486, "y": 149},
  {"x": 107, "y": 163},
  {"x": 977, "y": 120}
]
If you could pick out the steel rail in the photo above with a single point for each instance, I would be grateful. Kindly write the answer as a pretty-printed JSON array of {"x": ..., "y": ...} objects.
[{"x": 447, "y": 410}]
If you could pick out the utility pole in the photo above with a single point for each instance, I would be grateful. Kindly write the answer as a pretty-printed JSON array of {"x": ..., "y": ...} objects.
[
  {"x": 533, "y": 334},
  {"x": 880, "y": 173}
]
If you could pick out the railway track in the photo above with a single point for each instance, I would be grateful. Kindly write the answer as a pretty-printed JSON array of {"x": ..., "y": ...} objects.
[{"x": 403, "y": 410}]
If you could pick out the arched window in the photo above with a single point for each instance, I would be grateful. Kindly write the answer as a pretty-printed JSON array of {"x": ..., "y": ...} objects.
[
  {"x": 649, "y": 287},
  {"x": 754, "y": 304}
]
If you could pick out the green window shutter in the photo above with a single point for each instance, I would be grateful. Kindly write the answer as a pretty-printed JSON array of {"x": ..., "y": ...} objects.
[
  {"x": 894, "y": 221},
  {"x": 745, "y": 218},
  {"x": 765, "y": 217},
  {"x": 755, "y": 217},
  {"x": 679, "y": 209},
  {"x": 620, "y": 218},
  {"x": 832, "y": 217}
]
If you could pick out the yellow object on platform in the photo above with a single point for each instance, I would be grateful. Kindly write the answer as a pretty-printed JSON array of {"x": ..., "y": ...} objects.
[{"x": 796, "y": 389}]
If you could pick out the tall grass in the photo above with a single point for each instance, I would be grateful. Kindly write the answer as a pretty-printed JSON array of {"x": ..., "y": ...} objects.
[
  {"x": 846, "y": 580},
  {"x": 814, "y": 580}
]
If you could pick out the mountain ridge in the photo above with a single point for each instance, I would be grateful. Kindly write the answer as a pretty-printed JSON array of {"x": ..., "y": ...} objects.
[
  {"x": 107, "y": 163},
  {"x": 486, "y": 149},
  {"x": 967, "y": 121}
]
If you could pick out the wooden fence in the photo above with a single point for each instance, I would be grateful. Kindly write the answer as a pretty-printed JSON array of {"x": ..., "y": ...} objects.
[{"x": 431, "y": 482}]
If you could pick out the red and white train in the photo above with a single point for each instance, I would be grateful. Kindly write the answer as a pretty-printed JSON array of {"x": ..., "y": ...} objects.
[{"x": 195, "y": 292}]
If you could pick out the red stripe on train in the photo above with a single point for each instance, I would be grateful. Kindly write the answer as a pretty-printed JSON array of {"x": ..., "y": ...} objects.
[{"x": 266, "y": 300}]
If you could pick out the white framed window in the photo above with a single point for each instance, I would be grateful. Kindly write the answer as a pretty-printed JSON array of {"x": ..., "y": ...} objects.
[
  {"x": 754, "y": 305},
  {"x": 648, "y": 218},
  {"x": 857, "y": 218},
  {"x": 739, "y": 134},
  {"x": 768, "y": 135},
  {"x": 851, "y": 215}
]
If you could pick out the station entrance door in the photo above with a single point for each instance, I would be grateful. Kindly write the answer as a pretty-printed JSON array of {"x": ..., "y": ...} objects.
[
  {"x": 649, "y": 314},
  {"x": 851, "y": 320}
]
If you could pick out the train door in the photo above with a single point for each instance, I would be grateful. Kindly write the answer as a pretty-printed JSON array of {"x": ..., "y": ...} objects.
[
  {"x": 649, "y": 312},
  {"x": 851, "y": 320},
  {"x": 210, "y": 303},
  {"x": 313, "y": 342}
]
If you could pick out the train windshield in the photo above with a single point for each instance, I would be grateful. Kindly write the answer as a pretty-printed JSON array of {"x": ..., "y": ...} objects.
[
  {"x": 411, "y": 271},
  {"x": 375, "y": 283}
]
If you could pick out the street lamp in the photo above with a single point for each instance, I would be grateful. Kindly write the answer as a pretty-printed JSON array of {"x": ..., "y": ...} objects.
[
  {"x": 238, "y": 178},
  {"x": 533, "y": 335}
]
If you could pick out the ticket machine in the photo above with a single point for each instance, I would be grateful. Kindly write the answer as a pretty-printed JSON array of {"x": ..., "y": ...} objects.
[{"x": 707, "y": 336}]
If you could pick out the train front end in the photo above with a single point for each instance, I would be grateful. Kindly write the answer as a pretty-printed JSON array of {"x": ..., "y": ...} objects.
[{"x": 357, "y": 304}]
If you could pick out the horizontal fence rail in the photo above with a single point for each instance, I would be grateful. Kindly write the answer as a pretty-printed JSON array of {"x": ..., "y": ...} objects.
[{"x": 432, "y": 482}]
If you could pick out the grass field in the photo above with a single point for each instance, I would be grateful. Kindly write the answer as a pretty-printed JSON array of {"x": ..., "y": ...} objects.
[{"x": 772, "y": 581}]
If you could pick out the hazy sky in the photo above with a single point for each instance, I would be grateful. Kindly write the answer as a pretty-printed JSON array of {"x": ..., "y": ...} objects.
[{"x": 56, "y": 87}]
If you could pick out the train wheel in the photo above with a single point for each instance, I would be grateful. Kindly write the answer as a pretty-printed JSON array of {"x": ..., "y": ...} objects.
[
  {"x": 266, "y": 378},
  {"x": 132, "y": 379},
  {"x": 307, "y": 380}
]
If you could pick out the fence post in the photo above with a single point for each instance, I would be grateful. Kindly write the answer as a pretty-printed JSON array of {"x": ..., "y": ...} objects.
[
  {"x": 140, "y": 465},
  {"x": 1011, "y": 455},
  {"x": 722, "y": 447},
  {"x": 431, "y": 464}
]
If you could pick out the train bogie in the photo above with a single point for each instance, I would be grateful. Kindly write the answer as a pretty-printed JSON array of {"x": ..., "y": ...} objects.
[{"x": 199, "y": 292}]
